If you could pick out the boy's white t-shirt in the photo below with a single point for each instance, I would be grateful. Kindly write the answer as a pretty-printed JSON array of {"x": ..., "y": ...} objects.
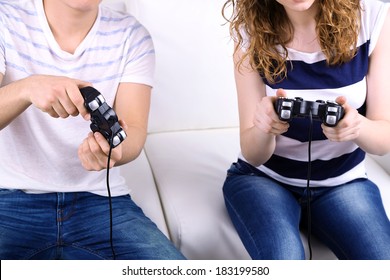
[{"x": 39, "y": 153}]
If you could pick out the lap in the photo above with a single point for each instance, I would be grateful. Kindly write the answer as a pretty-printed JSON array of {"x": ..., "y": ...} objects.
[
  {"x": 265, "y": 214},
  {"x": 350, "y": 218},
  {"x": 352, "y": 221},
  {"x": 77, "y": 226}
]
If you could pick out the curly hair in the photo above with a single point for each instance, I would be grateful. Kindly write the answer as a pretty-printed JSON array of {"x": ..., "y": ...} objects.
[{"x": 266, "y": 23}]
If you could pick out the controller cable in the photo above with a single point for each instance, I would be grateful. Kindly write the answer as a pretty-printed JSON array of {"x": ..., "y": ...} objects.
[
  {"x": 308, "y": 185},
  {"x": 109, "y": 196}
]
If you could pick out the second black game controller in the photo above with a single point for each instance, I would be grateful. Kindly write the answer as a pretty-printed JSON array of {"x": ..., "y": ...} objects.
[
  {"x": 329, "y": 112},
  {"x": 103, "y": 117}
]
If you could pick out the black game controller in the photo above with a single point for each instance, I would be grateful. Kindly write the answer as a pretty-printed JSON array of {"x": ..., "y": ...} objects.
[
  {"x": 103, "y": 117},
  {"x": 330, "y": 113}
]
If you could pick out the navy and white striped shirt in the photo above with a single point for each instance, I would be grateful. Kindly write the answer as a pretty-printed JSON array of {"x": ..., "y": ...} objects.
[{"x": 333, "y": 163}]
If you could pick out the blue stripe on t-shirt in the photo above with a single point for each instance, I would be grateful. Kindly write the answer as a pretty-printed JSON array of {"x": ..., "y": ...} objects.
[
  {"x": 320, "y": 169},
  {"x": 320, "y": 75}
]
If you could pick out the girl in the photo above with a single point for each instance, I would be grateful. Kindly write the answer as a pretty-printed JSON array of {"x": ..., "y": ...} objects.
[{"x": 292, "y": 172}]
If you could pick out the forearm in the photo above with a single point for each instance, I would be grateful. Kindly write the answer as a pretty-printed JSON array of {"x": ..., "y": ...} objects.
[
  {"x": 133, "y": 109},
  {"x": 374, "y": 136},
  {"x": 256, "y": 146},
  {"x": 133, "y": 145},
  {"x": 12, "y": 103}
]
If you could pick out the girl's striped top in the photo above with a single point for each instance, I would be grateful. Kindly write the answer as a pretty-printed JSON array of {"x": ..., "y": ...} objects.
[{"x": 309, "y": 77}]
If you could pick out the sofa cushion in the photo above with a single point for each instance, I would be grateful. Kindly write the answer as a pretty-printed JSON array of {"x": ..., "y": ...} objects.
[
  {"x": 190, "y": 168},
  {"x": 194, "y": 84},
  {"x": 139, "y": 178}
]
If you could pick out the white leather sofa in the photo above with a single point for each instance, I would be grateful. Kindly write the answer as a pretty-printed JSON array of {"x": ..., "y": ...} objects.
[{"x": 193, "y": 130}]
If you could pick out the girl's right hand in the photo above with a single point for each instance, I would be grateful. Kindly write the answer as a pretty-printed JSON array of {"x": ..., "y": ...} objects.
[{"x": 266, "y": 118}]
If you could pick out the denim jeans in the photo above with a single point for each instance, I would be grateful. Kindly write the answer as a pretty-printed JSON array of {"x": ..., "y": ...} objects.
[
  {"x": 350, "y": 219},
  {"x": 77, "y": 226}
]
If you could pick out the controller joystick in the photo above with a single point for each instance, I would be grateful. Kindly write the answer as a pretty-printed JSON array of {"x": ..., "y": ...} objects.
[
  {"x": 103, "y": 117},
  {"x": 329, "y": 112}
]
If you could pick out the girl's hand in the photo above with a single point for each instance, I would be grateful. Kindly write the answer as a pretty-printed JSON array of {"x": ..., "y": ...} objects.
[
  {"x": 266, "y": 118},
  {"x": 348, "y": 127}
]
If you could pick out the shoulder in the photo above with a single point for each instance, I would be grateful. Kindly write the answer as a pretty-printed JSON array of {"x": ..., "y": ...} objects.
[
  {"x": 17, "y": 12},
  {"x": 123, "y": 27},
  {"x": 118, "y": 21},
  {"x": 373, "y": 13},
  {"x": 11, "y": 6}
]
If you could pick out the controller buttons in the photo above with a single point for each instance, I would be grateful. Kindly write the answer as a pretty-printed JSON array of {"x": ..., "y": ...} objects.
[
  {"x": 285, "y": 114},
  {"x": 118, "y": 138},
  {"x": 331, "y": 120},
  {"x": 332, "y": 109},
  {"x": 96, "y": 103},
  {"x": 286, "y": 110}
]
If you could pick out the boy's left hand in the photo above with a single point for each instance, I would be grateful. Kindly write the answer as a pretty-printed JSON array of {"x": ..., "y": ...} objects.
[{"x": 93, "y": 151}]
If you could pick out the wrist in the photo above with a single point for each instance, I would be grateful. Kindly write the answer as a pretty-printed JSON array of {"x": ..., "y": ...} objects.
[{"x": 22, "y": 89}]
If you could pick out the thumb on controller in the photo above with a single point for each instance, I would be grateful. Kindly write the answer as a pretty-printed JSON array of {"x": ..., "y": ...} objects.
[
  {"x": 281, "y": 93},
  {"x": 341, "y": 100}
]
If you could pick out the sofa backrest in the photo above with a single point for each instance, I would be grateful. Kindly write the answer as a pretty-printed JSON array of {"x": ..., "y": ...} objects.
[{"x": 194, "y": 79}]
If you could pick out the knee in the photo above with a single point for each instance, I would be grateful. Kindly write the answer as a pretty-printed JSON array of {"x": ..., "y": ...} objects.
[{"x": 279, "y": 249}]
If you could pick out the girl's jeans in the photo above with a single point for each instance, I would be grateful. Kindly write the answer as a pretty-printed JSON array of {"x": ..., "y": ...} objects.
[
  {"x": 77, "y": 226},
  {"x": 350, "y": 219}
]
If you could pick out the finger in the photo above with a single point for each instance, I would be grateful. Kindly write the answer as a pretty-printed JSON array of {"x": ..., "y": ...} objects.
[
  {"x": 280, "y": 128},
  {"x": 103, "y": 149},
  {"x": 273, "y": 115},
  {"x": 336, "y": 134},
  {"x": 73, "y": 92},
  {"x": 67, "y": 107},
  {"x": 267, "y": 125},
  {"x": 52, "y": 112},
  {"x": 60, "y": 110},
  {"x": 281, "y": 93},
  {"x": 341, "y": 100},
  {"x": 82, "y": 84},
  {"x": 87, "y": 159},
  {"x": 97, "y": 159},
  {"x": 101, "y": 143}
]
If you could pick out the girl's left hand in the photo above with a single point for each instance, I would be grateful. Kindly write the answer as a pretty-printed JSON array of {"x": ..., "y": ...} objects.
[{"x": 348, "y": 127}]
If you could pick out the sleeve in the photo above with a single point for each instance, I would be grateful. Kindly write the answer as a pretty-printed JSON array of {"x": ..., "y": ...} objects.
[
  {"x": 374, "y": 15},
  {"x": 245, "y": 38},
  {"x": 140, "y": 60}
]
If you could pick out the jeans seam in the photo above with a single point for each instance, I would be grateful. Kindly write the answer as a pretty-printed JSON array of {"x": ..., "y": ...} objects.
[
  {"x": 242, "y": 223},
  {"x": 336, "y": 245}
]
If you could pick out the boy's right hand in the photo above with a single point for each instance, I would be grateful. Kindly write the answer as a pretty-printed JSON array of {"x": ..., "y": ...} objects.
[{"x": 57, "y": 96}]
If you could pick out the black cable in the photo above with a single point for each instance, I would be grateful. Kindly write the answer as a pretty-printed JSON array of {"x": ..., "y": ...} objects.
[
  {"x": 109, "y": 197},
  {"x": 308, "y": 186}
]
